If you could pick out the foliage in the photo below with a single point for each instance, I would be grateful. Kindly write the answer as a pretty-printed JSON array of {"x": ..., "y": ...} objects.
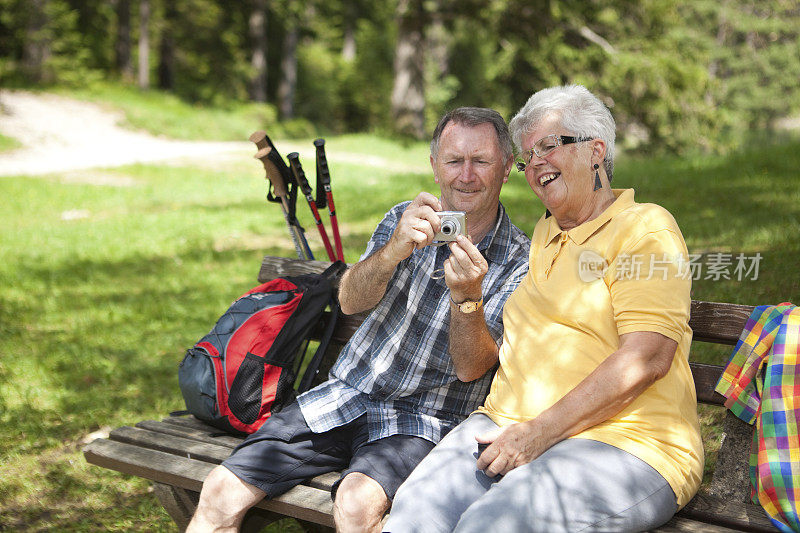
[
  {"x": 750, "y": 53},
  {"x": 211, "y": 61},
  {"x": 680, "y": 76},
  {"x": 630, "y": 54},
  {"x": 28, "y": 28}
]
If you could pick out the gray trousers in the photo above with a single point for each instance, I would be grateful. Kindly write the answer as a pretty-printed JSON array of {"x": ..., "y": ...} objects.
[{"x": 577, "y": 485}]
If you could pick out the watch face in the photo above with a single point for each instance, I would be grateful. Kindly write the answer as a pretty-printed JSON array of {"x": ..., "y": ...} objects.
[{"x": 468, "y": 307}]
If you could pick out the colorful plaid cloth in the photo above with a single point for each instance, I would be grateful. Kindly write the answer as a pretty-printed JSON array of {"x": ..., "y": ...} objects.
[{"x": 762, "y": 385}]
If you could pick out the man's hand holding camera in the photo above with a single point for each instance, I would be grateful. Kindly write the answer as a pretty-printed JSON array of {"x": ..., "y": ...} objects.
[
  {"x": 464, "y": 270},
  {"x": 416, "y": 228},
  {"x": 421, "y": 222}
]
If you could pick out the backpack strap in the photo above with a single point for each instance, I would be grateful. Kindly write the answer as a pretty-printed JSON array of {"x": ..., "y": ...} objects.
[
  {"x": 334, "y": 271},
  {"x": 313, "y": 366}
]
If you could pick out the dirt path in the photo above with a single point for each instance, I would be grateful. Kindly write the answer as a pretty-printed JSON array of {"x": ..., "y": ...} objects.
[{"x": 61, "y": 134}]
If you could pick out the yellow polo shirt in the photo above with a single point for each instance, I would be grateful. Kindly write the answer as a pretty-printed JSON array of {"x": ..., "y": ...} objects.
[{"x": 622, "y": 272}]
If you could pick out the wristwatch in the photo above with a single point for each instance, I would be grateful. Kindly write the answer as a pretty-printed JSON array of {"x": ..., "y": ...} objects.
[{"x": 468, "y": 306}]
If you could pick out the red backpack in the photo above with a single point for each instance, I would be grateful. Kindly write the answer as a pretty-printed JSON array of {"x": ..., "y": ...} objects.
[{"x": 244, "y": 370}]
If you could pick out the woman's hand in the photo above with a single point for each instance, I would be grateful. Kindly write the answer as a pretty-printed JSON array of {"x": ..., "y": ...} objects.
[
  {"x": 511, "y": 446},
  {"x": 643, "y": 357}
]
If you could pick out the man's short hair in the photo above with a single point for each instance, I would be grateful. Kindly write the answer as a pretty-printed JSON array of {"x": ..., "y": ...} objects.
[{"x": 474, "y": 116}]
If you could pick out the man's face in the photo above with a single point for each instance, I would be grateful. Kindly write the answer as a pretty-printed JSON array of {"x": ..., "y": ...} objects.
[{"x": 470, "y": 169}]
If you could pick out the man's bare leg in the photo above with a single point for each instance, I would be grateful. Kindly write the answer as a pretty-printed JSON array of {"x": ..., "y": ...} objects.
[
  {"x": 360, "y": 504},
  {"x": 224, "y": 500}
]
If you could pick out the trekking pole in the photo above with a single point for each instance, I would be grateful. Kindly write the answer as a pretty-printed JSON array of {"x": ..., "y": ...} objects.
[
  {"x": 279, "y": 178},
  {"x": 324, "y": 183},
  {"x": 305, "y": 188}
]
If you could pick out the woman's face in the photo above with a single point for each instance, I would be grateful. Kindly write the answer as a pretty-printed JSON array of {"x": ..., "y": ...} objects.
[{"x": 563, "y": 179}]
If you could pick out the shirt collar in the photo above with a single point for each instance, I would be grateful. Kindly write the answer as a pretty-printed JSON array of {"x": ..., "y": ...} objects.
[{"x": 579, "y": 234}]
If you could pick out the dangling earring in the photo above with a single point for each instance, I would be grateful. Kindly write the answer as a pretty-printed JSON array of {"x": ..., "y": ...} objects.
[{"x": 597, "y": 183}]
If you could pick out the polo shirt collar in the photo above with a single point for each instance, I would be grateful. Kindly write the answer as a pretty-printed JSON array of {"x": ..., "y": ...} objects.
[{"x": 580, "y": 233}]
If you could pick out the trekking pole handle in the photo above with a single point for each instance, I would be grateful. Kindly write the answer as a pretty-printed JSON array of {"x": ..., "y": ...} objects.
[
  {"x": 260, "y": 139},
  {"x": 299, "y": 174},
  {"x": 274, "y": 176}
]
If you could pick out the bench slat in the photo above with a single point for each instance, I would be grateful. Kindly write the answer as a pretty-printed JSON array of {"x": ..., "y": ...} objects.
[
  {"x": 741, "y": 516},
  {"x": 303, "y": 502},
  {"x": 323, "y": 481},
  {"x": 705, "y": 379},
  {"x": 717, "y": 322},
  {"x": 678, "y": 524},
  {"x": 189, "y": 433},
  {"x": 274, "y": 267},
  {"x": 190, "y": 421},
  {"x": 198, "y": 429},
  {"x": 180, "y": 446}
]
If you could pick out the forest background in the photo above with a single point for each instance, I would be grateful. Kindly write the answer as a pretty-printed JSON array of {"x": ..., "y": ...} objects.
[
  {"x": 108, "y": 274},
  {"x": 678, "y": 75}
]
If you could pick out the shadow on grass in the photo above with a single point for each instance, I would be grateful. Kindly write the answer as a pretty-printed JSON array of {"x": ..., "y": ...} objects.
[
  {"x": 108, "y": 337},
  {"x": 74, "y": 496}
]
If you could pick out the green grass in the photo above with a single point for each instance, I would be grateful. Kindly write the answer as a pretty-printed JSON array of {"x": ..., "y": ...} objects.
[
  {"x": 166, "y": 115},
  {"x": 8, "y": 143},
  {"x": 103, "y": 287}
]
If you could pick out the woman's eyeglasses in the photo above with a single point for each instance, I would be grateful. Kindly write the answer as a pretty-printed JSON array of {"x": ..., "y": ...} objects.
[{"x": 544, "y": 146}]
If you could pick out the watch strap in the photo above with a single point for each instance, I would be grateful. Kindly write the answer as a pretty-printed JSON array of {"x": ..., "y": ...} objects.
[{"x": 468, "y": 306}]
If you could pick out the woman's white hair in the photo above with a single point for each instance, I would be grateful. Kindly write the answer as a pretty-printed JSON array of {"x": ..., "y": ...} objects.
[{"x": 579, "y": 111}]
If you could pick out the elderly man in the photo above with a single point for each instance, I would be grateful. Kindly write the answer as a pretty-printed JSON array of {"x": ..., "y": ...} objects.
[{"x": 395, "y": 390}]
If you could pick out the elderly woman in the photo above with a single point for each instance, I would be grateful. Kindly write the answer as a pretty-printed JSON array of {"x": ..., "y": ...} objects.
[{"x": 591, "y": 420}]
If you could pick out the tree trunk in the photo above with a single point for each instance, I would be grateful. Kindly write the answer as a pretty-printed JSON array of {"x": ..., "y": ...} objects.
[
  {"x": 437, "y": 44},
  {"x": 36, "y": 48},
  {"x": 122, "y": 47},
  {"x": 349, "y": 38},
  {"x": 258, "y": 36},
  {"x": 144, "y": 44},
  {"x": 166, "y": 55},
  {"x": 408, "y": 93},
  {"x": 288, "y": 81}
]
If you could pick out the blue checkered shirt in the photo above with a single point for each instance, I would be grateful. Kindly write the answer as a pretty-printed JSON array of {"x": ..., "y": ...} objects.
[{"x": 396, "y": 368}]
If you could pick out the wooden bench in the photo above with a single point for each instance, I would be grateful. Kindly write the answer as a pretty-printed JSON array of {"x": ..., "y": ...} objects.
[{"x": 178, "y": 452}]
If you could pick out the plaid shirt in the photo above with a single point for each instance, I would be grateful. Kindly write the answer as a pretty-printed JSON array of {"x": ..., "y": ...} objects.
[{"x": 396, "y": 368}]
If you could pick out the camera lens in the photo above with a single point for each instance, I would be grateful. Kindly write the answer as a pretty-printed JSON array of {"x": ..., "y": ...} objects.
[{"x": 448, "y": 227}]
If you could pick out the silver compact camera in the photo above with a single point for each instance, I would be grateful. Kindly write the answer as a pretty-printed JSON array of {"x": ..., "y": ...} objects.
[{"x": 454, "y": 223}]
